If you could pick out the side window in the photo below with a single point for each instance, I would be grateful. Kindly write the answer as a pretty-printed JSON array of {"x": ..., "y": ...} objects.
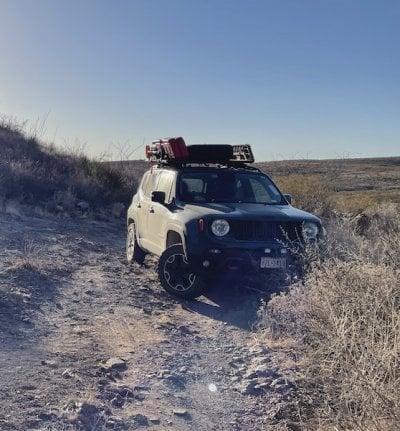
[
  {"x": 191, "y": 188},
  {"x": 143, "y": 183},
  {"x": 165, "y": 184},
  {"x": 194, "y": 185},
  {"x": 150, "y": 183}
]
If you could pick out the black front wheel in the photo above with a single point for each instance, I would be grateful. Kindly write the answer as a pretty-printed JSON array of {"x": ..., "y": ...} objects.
[{"x": 176, "y": 275}]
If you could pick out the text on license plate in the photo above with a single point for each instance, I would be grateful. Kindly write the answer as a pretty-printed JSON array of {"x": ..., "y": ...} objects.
[{"x": 273, "y": 262}]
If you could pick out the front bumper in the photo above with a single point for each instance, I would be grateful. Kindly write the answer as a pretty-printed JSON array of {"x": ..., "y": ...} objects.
[{"x": 245, "y": 260}]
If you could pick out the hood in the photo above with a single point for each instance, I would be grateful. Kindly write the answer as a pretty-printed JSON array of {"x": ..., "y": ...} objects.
[{"x": 251, "y": 211}]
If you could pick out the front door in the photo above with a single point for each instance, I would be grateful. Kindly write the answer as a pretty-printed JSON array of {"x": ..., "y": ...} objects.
[{"x": 159, "y": 214}]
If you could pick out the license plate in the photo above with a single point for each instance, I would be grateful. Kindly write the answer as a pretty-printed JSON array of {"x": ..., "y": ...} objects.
[{"x": 273, "y": 262}]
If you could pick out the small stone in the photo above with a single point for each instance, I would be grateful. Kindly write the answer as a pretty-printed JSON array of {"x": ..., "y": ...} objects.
[
  {"x": 125, "y": 392},
  {"x": 50, "y": 363},
  {"x": 87, "y": 410},
  {"x": 259, "y": 350},
  {"x": 163, "y": 374},
  {"x": 179, "y": 412},
  {"x": 262, "y": 386},
  {"x": 250, "y": 374},
  {"x": 46, "y": 416},
  {"x": 278, "y": 382},
  {"x": 114, "y": 364},
  {"x": 28, "y": 387},
  {"x": 154, "y": 420},
  {"x": 140, "y": 420},
  {"x": 68, "y": 373},
  {"x": 247, "y": 388},
  {"x": 167, "y": 354},
  {"x": 117, "y": 402},
  {"x": 185, "y": 330}
]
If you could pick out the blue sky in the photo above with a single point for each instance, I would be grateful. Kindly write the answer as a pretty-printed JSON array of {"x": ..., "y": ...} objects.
[{"x": 293, "y": 78}]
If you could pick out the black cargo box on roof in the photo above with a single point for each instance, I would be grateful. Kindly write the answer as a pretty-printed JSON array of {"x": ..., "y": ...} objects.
[{"x": 210, "y": 153}]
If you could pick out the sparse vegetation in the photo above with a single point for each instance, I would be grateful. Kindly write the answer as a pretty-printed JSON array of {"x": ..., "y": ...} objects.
[
  {"x": 313, "y": 193},
  {"x": 43, "y": 176},
  {"x": 351, "y": 185}
]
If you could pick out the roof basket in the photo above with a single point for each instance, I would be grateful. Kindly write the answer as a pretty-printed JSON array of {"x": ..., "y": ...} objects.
[
  {"x": 167, "y": 150},
  {"x": 174, "y": 150},
  {"x": 243, "y": 153}
]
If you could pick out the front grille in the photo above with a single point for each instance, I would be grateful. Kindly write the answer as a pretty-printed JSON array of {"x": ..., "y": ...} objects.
[{"x": 265, "y": 231}]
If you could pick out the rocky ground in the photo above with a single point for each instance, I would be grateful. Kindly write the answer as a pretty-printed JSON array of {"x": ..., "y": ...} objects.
[{"x": 89, "y": 343}]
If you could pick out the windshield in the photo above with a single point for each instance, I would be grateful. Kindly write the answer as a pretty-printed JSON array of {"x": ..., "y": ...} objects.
[{"x": 228, "y": 186}]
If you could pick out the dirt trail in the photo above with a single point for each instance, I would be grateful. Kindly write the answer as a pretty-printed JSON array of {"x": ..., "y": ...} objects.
[{"x": 88, "y": 343}]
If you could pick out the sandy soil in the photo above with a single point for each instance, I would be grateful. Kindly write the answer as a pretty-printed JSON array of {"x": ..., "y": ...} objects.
[{"x": 90, "y": 343}]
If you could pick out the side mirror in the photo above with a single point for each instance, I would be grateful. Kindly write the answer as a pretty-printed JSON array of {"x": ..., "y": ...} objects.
[
  {"x": 158, "y": 197},
  {"x": 288, "y": 198}
]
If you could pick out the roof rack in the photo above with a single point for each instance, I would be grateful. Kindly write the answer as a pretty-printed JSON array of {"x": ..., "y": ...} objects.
[
  {"x": 243, "y": 153},
  {"x": 175, "y": 151},
  {"x": 167, "y": 149}
]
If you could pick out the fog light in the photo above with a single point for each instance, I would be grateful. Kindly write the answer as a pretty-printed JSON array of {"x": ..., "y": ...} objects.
[
  {"x": 267, "y": 250},
  {"x": 206, "y": 263}
]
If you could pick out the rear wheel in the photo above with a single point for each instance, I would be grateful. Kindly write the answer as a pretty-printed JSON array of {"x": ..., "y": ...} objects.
[
  {"x": 133, "y": 251},
  {"x": 176, "y": 276}
]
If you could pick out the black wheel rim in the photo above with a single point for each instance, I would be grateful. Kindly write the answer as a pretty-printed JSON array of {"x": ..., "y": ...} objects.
[{"x": 177, "y": 273}]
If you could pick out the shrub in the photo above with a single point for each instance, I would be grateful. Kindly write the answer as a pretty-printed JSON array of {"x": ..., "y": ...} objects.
[
  {"x": 310, "y": 192},
  {"x": 345, "y": 318},
  {"x": 37, "y": 174}
]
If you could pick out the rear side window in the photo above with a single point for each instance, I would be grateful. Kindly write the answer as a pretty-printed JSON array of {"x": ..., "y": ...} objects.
[{"x": 150, "y": 183}]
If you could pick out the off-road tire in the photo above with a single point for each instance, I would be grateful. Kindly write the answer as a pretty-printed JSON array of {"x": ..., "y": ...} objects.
[
  {"x": 176, "y": 276},
  {"x": 133, "y": 251}
]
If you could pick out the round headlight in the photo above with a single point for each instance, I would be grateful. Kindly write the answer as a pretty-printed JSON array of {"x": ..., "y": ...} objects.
[
  {"x": 310, "y": 231},
  {"x": 220, "y": 227}
]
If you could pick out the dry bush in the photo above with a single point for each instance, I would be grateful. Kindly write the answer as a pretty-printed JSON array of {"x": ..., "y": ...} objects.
[
  {"x": 29, "y": 259},
  {"x": 310, "y": 192},
  {"x": 345, "y": 318},
  {"x": 353, "y": 345},
  {"x": 41, "y": 175}
]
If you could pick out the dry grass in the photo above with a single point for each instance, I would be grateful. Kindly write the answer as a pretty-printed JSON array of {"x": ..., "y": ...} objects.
[
  {"x": 352, "y": 185},
  {"x": 35, "y": 174},
  {"x": 311, "y": 193},
  {"x": 345, "y": 318},
  {"x": 357, "y": 201},
  {"x": 29, "y": 259}
]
